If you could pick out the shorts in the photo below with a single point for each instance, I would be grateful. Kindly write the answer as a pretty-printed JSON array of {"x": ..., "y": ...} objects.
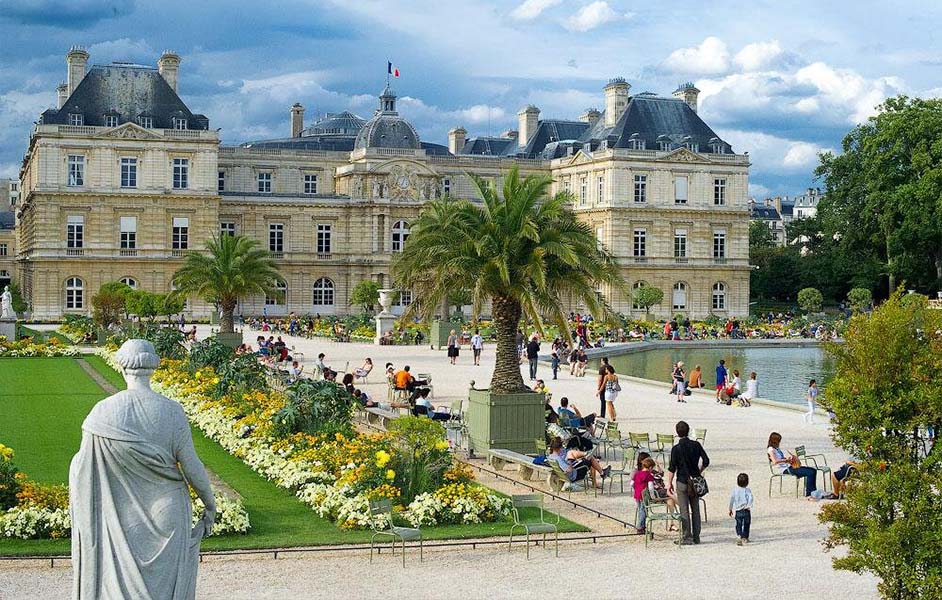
[
  {"x": 580, "y": 468},
  {"x": 681, "y": 387},
  {"x": 477, "y": 352},
  {"x": 841, "y": 474},
  {"x": 720, "y": 386}
]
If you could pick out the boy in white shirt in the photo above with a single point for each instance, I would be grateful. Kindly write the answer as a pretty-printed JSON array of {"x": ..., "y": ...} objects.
[{"x": 740, "y": 505}]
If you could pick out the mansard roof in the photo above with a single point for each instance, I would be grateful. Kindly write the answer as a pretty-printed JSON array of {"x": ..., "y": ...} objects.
[{"x": 128, "y": 91}]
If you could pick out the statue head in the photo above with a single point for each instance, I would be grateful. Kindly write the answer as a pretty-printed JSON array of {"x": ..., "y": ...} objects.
[{"x": 137, "y": 357}]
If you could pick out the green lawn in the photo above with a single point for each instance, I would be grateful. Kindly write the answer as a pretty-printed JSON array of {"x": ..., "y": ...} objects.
[{"x": 278, "y": 518}]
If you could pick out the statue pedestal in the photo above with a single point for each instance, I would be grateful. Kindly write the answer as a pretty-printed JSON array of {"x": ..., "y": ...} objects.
[
  {"x": 8, "y": 329},
  {"x": 385, "y": 322}
]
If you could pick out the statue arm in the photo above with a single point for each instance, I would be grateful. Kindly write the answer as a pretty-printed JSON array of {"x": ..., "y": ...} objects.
[{"x": 195, "y": 473}]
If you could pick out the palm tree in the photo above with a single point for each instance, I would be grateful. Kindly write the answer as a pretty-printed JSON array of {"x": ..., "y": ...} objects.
[
  {"x": 232, "y": 268},
  {"x": 523, "y": 250}
]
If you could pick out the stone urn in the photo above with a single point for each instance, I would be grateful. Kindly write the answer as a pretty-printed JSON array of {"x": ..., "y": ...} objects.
[{"x": 385, "y": 320}]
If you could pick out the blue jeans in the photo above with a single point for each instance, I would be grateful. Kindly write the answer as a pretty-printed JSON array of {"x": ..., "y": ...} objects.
[
  {"x": 533, "y": 363},
  {"x": 743, "y": 521},
  {"x": 810, "y": 475},
  {"x": 642, "y": 515}
]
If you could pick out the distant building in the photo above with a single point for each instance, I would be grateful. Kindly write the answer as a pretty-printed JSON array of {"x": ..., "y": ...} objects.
[
  {"x": 9, "y": 194},
  {"x": 767, "y": 211},
  {"x": 806, "y": 205}
]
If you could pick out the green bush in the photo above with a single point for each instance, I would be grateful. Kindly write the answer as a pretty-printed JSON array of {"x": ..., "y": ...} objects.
[
  {"x": 646, "y": 297},
  {"x": 810, "y": 300},
  {"x": 421, "y": 457},
  {"x": 315, "y": 407},
  {"x": 859, "y": 299},
  {"x": 9, "y": 484},
  {"x": 915, "y": 301},
  {"x": 209, "y": 353},
  {"x": 240, "y": 375}
]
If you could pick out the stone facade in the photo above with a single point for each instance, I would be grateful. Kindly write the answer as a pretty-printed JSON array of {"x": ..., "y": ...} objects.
[{"x": 334, "y": 205}]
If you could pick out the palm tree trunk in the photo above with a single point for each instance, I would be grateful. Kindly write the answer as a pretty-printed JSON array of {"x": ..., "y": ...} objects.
[
  {"x": 226, "y": 321},
  {"x": 506, "y": 378}
]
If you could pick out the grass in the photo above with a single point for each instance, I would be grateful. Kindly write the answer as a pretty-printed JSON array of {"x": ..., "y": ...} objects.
[
  {"x": 43, "y": 336},
  {"x": 278, "y": 518}
]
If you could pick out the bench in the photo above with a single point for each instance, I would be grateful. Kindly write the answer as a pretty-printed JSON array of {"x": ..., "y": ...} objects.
[
  {"x": 378, "y": 416},
  {"x": 500, "y": 458}
]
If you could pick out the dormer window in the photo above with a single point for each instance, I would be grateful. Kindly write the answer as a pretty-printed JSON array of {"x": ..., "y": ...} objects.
[
  {"x": 77, "y": 119},
  {"x": 147, "y": 122},
  {"x": 111, "y": 120},
  {"x": 635, "y": 142},
  {"x": 179, "y": 123},
  {"x": 664, "y": 143},
  {"x": 718, "y": 148}
]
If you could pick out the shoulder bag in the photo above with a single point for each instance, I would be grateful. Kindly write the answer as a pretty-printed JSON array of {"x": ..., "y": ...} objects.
[{"x": 696, "y": 484}]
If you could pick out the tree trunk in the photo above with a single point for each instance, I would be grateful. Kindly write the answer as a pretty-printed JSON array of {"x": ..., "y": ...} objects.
[
  {"x": 225, "y": 321},
  {"x": 506, "y": 378}
]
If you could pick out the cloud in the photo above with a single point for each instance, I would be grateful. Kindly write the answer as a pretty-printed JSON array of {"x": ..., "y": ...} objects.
[
  {"x": 593, "y": 15},
  {"x": 75, "y": 14},
  {"x": 846, "y": 88},
  {"x": 531, "y": 9},
  {"x": 774, "y": 154},
  {"x": 711, "y": 57},
  {"x": 757, "y": 190},
  {"x": 123, "y": 49},
  {"x": 760, "y": 55},
  {"x": 801, "y": 155}
]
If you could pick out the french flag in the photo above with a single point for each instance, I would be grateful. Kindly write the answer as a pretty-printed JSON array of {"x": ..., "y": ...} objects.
[{"x": 391, "y": 69}]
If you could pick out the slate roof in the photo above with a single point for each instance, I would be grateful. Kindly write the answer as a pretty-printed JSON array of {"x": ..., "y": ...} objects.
[
  {"x": 345, "y": 123},
  {"x": 763, "y": 212},
  {"x": 128, "y": 91}
]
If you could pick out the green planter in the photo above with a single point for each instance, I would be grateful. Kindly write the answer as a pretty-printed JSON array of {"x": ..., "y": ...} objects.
[
  {"x": 438, "y": 333},
  {"x": 508, "y": 421},
  {"x": 232, "y": 340},
  {"x": 213, "y": 318}
]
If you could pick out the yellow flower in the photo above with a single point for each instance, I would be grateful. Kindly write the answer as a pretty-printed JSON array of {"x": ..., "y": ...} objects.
[
  {"x": 382, "y": 458},
  {"x": 442, "y": 445},
  {"x": 390, "y": 474}
]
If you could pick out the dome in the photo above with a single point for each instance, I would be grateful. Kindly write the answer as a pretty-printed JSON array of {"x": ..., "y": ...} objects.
[
  {"x": 387, "y": 129},
  {"x": 345, "y": 123}
]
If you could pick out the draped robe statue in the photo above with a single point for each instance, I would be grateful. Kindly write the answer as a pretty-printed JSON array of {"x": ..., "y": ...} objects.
[{"x": 132, "y": 533}]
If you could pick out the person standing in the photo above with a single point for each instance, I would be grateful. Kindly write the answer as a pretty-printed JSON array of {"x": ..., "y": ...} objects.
[
  {"x": 533, "y": 354},
  {"x": 452, "y": 347},
  {"x": 680, "y": 381},
  {"x": 688, "y": 459},
  {"x": 740, "y": 505},
  {"x": 612, "y": 387},
  {"x": 811, "y": 398},
  {"x": 600, "y": 384},
  {"x": 721, "y": 375},
  {"x": 477, "y": 345},
  {"x": 554, "y": 363}
]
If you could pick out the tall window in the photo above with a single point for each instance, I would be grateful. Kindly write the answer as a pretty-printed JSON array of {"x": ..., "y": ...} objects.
[
  {"x": 567, "y": 185},
  {"x": 634, "y": 288},
  {"x": 147, "y": 122},
  {"x": 719, "y": 296},
  {"x": 181, "y": 173},
  {"x": 76, "y": 169},
  {"x": 679, "y": 298},
  {"x": 75, "y": 231},
  {"x": 280, "y": 297},
  {"x": 692, "y": 146},
  {"x": 680, "y": 190},
  {"x": 128, "y": 233},
  {"x": 664, "y": 145},
  {"x": 641, "y": 188},
  {"x": 446, "y": 186},
  {"x": 323, "y": 239},
  {"x": 111, "y": 120},
  {"x": 680, "y": 243},
  {"x": 76, "y": 119},
  {"x": 640, "y": 242},
  {"x": 221, "y": 181},
  {"x": 719, "y": 191},
  {"x": 129, "y": 172},
  {"x": 400, "y": 233},
  {"x": 179, "y": 123},
  {"x": 227, "y": 228},
  {"x": 636, "y": 144},
  {"x": 3, "y": 250},
  {"x": 719, "y": 244},
  {"x": 130, "y": 282},
  {"x": 181, "y": 233},
  {"x": 310, "y": 184},
  {"x": 323, "y": 292},
  {"x": 583, "y": 190},
  {"x": 264, "y": 183},
  {"x": 404, "y": 298},
  {"x": 601, "y": 188},
  {"x": 276, "y": 237},
  {"x": 718, "y": 148},
  {"x": 74, "y": 293}
]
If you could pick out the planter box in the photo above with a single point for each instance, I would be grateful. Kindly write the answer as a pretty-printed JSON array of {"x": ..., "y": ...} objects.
[
  {"x": 438, "y": 333},
  {"x": 508, "y": 421},
  {"x": 233, "y": 340}
]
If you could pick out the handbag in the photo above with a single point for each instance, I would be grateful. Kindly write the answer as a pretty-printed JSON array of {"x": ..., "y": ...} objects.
[
  {"x": 616, "y": 386},
  {"x": 696, "y": 484}
]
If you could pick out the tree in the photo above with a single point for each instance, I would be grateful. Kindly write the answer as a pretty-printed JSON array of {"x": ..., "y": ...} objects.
[
  {"x": 859, "y": 299},
  {"x": 365, "y": 294},
  {"x": 459, "y": 299},
  {"x": 891, "y": 523},
  {"x": 109, "y": 303},
  {"x": 19, "y": 305},
  {"x": 522, "y": 249},
  {"x": 760, "y": 236},
  {"x": 232, "y": 267},
  {"x": 645, "y": 297},
  {"x": 810, "y": 299}
]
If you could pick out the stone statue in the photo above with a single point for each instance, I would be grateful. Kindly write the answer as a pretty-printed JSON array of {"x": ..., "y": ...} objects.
[
  {"x": 356, "y": 188},
  {"x": 377, "y": 190},
  {"x": 132, "y": 533},
  {"x": 6, "y": 304}
]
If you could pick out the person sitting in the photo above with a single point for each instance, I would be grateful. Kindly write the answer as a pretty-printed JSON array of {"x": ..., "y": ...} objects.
[
  {"x": 576, "y": 464},
  {"x": 790, "y": 465},
  {"x": 660, "y": 488},
  {"x": 328, "y": 373},
  {"x": 390, "y": 371},
  {"x": 347, "y": 382},
  {"x": 404, "y": 380},
  {"x": 696, "y": 378},
  {"x": 540, "y": 388},
  {"x": 839, "y": 477},
  {"x": 365, "y": 369},
  {"x": 752, "y": 391},
  {"x": 427, "y": 409},
  {"x": 294, "y": 372},
  {"x": 571, "y": 417}
]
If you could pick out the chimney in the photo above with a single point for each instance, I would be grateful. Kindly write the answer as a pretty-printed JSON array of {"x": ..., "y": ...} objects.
[
  {"x": 590, "y": 116},
  {"x": 510, "y": 134},
  {"x": 527, "y": 120},
  {"x": 168, "y": 64},
  {"x": 297, "y": 119},
  {"x": 616, "y": 100},
  {"x": 778, "y": 204},
  {"x": 456, "y": 139},
  {"x": 77, "y": 59},
  {"x": 62, "y": 93},
  {"x": 688, "y": 93}
]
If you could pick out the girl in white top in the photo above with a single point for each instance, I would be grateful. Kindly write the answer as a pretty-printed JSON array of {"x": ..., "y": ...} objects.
[
  {"x": 752, "y": 391},
  {"x": 811, "y": 398}
]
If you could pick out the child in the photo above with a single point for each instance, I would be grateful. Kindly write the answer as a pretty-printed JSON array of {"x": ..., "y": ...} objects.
[
  {"x": 811, "y": 398},
  {"x": 740, "y": 503},
  {"x": 752, "y": 391},
  {"x": 643, "y": 480},
  {"x": 554, "y": 361}
]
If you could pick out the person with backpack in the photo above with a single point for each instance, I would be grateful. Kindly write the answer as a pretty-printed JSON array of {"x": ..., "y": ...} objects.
[{"x": 688, "y": 460}]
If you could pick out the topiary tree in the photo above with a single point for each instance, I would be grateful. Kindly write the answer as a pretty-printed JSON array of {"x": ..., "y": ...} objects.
[
  {"x": 859, "y": 299},
  {"x": 891, "y": 523},
  {"x": 810, "y": 300},
  {"x": 915, "y": 301},
  {"x": 19, "y": 304},
  {"x": 109, "y": 303},
  {"x": 365, "y": 294},
  {"x": 645, "y": 297}
]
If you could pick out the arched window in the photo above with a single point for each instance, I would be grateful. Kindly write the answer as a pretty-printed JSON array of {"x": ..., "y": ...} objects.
[
  {"x": 130, "y": 282},
  {"x": 719, "y": 296},
  {"x": 400, "y": 233},
  {"x": 74, "y": 294},
  {"x": 635, "y": 287},
  {"x": 323, "y": 292},
  {"x": 679, "y": 301},
  {"x": 281, "y": 294}
]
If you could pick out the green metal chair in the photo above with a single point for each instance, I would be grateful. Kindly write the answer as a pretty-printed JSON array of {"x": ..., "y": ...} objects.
[
  {"x": 626, "y": 469},
  {"x": 811, "y": 460},
  {"x": 663, "y": 442},
  {"x": 700, "y": 435},
  {"x": 573, "y": 485},
  {"x": 540, "y": 444},
  {"x": 640, "y": 441},
  {"x": 781, "y": 479},
  {"x": 382, "y": 523},
  {"x": 658, "y": 511},
  {"x": 531, "y": 525}
]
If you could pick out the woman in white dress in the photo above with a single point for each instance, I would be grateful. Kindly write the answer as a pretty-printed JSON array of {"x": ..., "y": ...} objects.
[{"x": 612, "y": 387}]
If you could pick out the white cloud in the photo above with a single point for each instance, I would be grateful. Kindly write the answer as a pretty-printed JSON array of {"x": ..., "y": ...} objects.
[
  {"x": 593, "y": 15},
  {"x": 801, "y": 155},
  {"x": 759, "y": 55},
  {"x": 773, "y": 154},
  {"x": 531, "y": 9},
  {"x": 847, "y": 88},
  {"x": 122, "y": 49},
  {"x": 711, "y": 57},
  {"x": 758, "y": 191}
]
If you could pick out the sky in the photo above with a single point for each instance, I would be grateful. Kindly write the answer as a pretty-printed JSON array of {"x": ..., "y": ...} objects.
[{"x": 781, "y": 80}]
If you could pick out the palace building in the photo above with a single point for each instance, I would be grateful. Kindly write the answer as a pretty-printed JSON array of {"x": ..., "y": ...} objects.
[{"x": 121, "y": 179}]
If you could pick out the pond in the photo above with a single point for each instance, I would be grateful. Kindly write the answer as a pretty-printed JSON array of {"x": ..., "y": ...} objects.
[{"x": 783, "y": 372}]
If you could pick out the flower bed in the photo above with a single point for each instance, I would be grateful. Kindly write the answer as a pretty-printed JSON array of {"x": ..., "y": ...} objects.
[
  {"x": 28, "y": 348},
  {"x": 336, "y": 474}
]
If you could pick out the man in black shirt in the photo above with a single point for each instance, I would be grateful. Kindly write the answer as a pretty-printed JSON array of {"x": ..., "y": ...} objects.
[
  {"x": 533, "y": 354},
  {"x": 600, "y": 384},
  {"x": 685, "y": 462}
]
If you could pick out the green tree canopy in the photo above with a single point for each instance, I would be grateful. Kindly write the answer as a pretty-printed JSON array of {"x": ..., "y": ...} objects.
[
  {"x": 647, "y": 296},
  {"x": 365, "y": 294},
  {"x": 522, "y": 249},
  {"x": 810, "y": 299},
  {"x": 859, "y": 299}
]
